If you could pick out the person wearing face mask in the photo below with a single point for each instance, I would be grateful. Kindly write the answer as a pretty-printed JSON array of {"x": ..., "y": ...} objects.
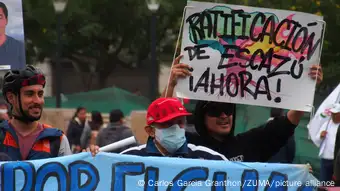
[
  {"x": 215, "y": 124},
  {"x": 165, "y": 127}
]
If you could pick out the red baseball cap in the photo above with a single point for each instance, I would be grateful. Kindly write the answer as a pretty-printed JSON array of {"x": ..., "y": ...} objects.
[{"x": 165, "y": 109}]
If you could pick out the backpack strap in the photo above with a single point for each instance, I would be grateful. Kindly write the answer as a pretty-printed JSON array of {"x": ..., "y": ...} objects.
[
  {"x": 55, "y": 146},
  {"x": 54, "y": 143},
  {"x": 2, "y": 138}
]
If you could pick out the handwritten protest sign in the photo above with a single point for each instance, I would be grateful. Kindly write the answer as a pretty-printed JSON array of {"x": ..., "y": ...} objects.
[
  {"x": 12, "y": 47},
  {"x": 250, "y": 55},
  {"x": 116, "y": 172}
]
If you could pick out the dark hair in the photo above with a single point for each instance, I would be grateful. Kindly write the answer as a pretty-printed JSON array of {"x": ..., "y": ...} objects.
[
  {"x": 116, "y": 115},
  {"x": 96, "y": 120},
  {"x": 4, "y": 9},
  {"x": 96, "y": 117},
  {"x": 276, "y": 112},
  {"x": 200, "y": 111},
  {"x": 77, "y": 111}
]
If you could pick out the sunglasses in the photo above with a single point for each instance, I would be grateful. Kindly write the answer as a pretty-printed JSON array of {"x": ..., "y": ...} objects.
[
  {"x": 216, "y": 109},
  {"x": 34, "y": 80}
]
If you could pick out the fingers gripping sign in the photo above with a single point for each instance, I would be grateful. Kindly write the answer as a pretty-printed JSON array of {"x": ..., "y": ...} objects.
[
  {"x": 94, "y": 149},
  {"x": 316, "y": 73},
  {"x": 179, "y": 70}
]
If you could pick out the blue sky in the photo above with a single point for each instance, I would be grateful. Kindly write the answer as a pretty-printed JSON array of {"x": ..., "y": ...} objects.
[{"x": 15, "y": 20}]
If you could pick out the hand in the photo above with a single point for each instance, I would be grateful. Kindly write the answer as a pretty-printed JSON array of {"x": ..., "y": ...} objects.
[
  {"x": 77, "y": 148},
  {"x": 179, "y": 70},
  {"x": 323, "y": 134},
  {"x": 316, "y": 73},
  {"x": 310, "y": 168},
  {"x": 94, "y": 149}
]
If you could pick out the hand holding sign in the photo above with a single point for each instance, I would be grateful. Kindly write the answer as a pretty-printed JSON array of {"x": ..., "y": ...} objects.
[
  {"x": 316, "y": 73},
  {"x": 93, "y": 149},
  {"x": 323, "y": 134},
  {"x": 179, "y": 70}
]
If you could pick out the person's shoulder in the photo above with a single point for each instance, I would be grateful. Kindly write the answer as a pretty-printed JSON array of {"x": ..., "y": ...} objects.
[
  {"x": 12, "y": 41},
  {"x": 3, "y": 124},
  {"x": 47, "y": 126},
  {"x": 52, "y": 130},
  {"x": 72, "y": 122},
  {"x": 193, "y": 138},
  {"x": 104, "y": 130},
  {"x": 206, "y": 152},
  {"x": 126, "y": 130}
]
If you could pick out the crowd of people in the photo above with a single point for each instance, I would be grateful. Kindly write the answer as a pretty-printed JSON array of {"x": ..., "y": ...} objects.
[{"x": 213, "y": 138}]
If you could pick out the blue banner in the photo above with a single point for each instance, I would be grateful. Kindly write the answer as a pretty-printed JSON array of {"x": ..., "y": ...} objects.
[{"x": 114, "y": 172}]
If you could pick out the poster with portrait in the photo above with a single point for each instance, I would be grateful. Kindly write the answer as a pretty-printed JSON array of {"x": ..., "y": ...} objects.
[{"x": 12, "y": 43}]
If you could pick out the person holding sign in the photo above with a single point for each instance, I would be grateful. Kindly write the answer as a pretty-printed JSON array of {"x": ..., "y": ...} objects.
[
  {"x": 215, "y": 124},
  {"x": 165, "y": 127},
  {"x": 23, "y": 137}
]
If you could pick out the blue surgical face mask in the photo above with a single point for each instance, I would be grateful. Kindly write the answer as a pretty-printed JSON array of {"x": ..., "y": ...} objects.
[{"x": 171, "y": 138}]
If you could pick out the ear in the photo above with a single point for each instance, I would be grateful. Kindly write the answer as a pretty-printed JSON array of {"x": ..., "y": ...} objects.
[
  {"x": 10, "y": 97},
  {"x": 150, "y": 131}
]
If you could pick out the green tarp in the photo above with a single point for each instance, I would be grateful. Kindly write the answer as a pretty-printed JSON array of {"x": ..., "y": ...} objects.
[{"x": 103, "y": 100}]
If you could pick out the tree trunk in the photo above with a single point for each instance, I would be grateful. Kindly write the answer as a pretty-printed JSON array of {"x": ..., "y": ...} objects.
[{"x": 101, "y": 81}]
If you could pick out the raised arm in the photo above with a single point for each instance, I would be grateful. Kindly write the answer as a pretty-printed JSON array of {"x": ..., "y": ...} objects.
[
  {"x": 179, "y": 70},
  {"x": 315, "y": 73}
]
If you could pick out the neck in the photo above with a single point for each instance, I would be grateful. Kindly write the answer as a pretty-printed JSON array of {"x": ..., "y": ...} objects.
[
  {"x": 159, "y": 147},
  {"x": 218, "y": 137},
  {"x": 3, "y": 38},
  {"x": 79, "y": 121},
  {"x": 116, "y": 123},
  {"x": 25, "y": 128}
]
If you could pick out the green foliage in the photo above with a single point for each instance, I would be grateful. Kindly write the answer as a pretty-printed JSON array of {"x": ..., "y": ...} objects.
[{"x": 106, "y": 33}]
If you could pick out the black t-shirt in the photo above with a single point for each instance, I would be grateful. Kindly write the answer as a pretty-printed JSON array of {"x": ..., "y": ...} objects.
[{"x": 256, "y": 145}]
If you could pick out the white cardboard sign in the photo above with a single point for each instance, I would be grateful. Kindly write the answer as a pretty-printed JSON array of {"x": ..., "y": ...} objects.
[{"x": 250, "y": 55}]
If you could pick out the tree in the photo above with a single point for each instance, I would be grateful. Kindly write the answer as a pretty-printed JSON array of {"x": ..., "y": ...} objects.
[
  {"x": 98, "y": 34},
  {"x": 102, "y": 34}
]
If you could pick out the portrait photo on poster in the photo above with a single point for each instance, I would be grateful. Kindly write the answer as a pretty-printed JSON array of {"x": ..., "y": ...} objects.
[{"x": 12, "y": 38}]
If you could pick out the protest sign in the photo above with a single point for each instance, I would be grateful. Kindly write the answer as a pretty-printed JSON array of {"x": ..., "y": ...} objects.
[
  {"x": 12, "y": 45},
  {"x": 115, "y": 172},
  {"x": 138, "y": 123},
  {"x": 322, "y": 120},
  {"x": 250, "y": 55}
]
